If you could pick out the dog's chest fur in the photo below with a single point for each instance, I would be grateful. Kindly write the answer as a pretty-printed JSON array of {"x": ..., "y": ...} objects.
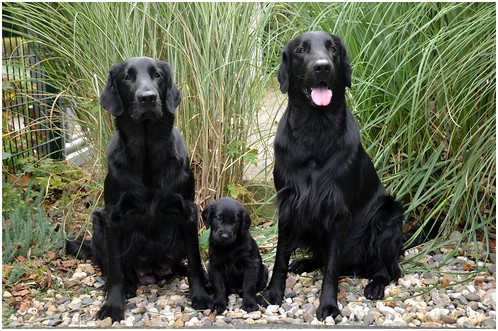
[
  {"x": 150, "y": 156},
  {"x": 308, "y": 143},
  {"x": 311, "y": 182}
]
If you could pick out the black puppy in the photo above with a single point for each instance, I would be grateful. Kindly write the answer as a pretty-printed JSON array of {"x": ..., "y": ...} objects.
[
  {"x": 235, "y": 265},
  {"x": 329, "y": 197},
  {"x": 149, "y": 224}
]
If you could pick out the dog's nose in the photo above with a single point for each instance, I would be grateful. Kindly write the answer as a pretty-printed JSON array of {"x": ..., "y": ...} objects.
[
  {"x": 322, "y": 65},
  {"x": 225, "y": 235},
  {"x": 147, "y": 97}
]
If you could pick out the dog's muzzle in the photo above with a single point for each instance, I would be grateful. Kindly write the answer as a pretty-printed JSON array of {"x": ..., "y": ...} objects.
[
  {"x": 146, "y": 107},
  {"x": 319, "y": 89},
  {"x": 224, "y": 237}
]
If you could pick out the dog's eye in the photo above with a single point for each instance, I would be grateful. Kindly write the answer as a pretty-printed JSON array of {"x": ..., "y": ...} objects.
[
  {"x": 127, "y": 77},
  {"x": 157, "y": 75},
  {"x": 301, "y": 50},
  {"x": 332, "y": 49}
]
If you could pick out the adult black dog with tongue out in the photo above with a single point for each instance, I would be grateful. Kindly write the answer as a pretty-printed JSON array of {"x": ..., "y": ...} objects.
[
  {"x": 329, "y": 197},
  {"x": 149, "y": 223}
]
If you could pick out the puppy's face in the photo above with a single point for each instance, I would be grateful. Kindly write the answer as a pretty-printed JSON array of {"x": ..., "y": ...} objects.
[{"x": 228, "y": 220}]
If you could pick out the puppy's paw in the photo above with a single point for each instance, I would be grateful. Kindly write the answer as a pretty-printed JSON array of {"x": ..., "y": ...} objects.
[
  {"x": 327, "y": 310},
  {"x": 375, "y": 290},
  {"x": 219, "y": 307},
  {"x": 270, "y": 297},
  {"x": 201, "y": 301},
  {"x": 303, "y": 265},
  {"x": 115, "y": 312},
  {"x": 130, "y": 290}
]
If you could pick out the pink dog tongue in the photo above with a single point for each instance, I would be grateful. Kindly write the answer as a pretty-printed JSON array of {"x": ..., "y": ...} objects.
[{"x": 321, "y": 96}]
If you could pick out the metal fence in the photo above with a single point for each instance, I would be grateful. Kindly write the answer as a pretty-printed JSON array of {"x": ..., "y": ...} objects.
[{"x": 31, "y": 115}]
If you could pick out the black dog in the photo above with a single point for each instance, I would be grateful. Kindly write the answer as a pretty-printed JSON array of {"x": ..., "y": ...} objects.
[
  {"x": 329, "y": 197},
  {"x": 149, "y": 224},
  {"x": 235, "y": 264}
]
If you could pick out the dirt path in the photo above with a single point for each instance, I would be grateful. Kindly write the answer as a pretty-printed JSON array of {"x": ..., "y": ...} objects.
[{"x": 261, "y": 137}]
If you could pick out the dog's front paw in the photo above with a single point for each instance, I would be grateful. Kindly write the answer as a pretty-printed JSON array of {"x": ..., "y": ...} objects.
[
  {"x": 130, "y": 202},
  {"x": 375, "y": 290},
  {"x": 116, "y": 313},
  {"x": 172, "y": 204},
  {"x": 327, "y": 310},
  {"x": 250, "y": 306},
  {"x": 270, "y": 297},
  {"x": 201, "y": 301}
]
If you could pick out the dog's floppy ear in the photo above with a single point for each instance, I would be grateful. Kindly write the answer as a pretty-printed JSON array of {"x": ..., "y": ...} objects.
[
  {"x": 283, "y": 72},
  {"x": 346, "y": 65},
  {"x": 167, "y": 72},
  {"x": 110, "y": 99},
  {"x": 207, "y": 214},
  {"x": 174, "y": 95},
  {"x": 246, "y": 221}
]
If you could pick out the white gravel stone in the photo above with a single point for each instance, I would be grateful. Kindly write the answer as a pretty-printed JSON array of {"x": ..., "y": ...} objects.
[
  {"x": 252, "y": 315},
  {"x": 387, "y": 311},
  {"x": 79, "y": 275},
  {"x": 272, "y": 309}
]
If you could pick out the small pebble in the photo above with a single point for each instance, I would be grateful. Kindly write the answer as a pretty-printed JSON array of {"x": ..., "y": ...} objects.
[
  {"x": 290, "y": 294},
  {"x": 448, "y": 319},
  {"x": 489, "y": 323},
  {"x": 368, "y": 319},
  {"x": 54, "y": 322},
  {"x": 474, "y": 305},
  {"x": 473, "y": 297},
  {"x": 346, "y": 312},
  {"x": 106, "y": 322},
  {"x": 87, "y": 301},
  {"x": 253, "y": 315}
]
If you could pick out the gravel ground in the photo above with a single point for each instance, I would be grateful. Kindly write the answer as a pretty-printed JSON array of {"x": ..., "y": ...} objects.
[{"x": 446, "y": 298}]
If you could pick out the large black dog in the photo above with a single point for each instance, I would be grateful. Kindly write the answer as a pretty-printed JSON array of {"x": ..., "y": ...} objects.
[
  {"x": 329, "y": 197},
  {"x": 149, "y": 224},
  {"x": 235, "y": 265}
]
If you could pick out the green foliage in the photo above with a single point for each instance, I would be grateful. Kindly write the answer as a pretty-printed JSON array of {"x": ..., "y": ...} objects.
[
  {"x": 12, "y": 197},
  {"x": 236, "y": 191},
  {"x": 50, "y": 174},
  {"x": 17, "y": 272},
  {"x": 204, "y": 240},
  {"x": 56, "y": 184},
  {"x": 28, "y": 231}
]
